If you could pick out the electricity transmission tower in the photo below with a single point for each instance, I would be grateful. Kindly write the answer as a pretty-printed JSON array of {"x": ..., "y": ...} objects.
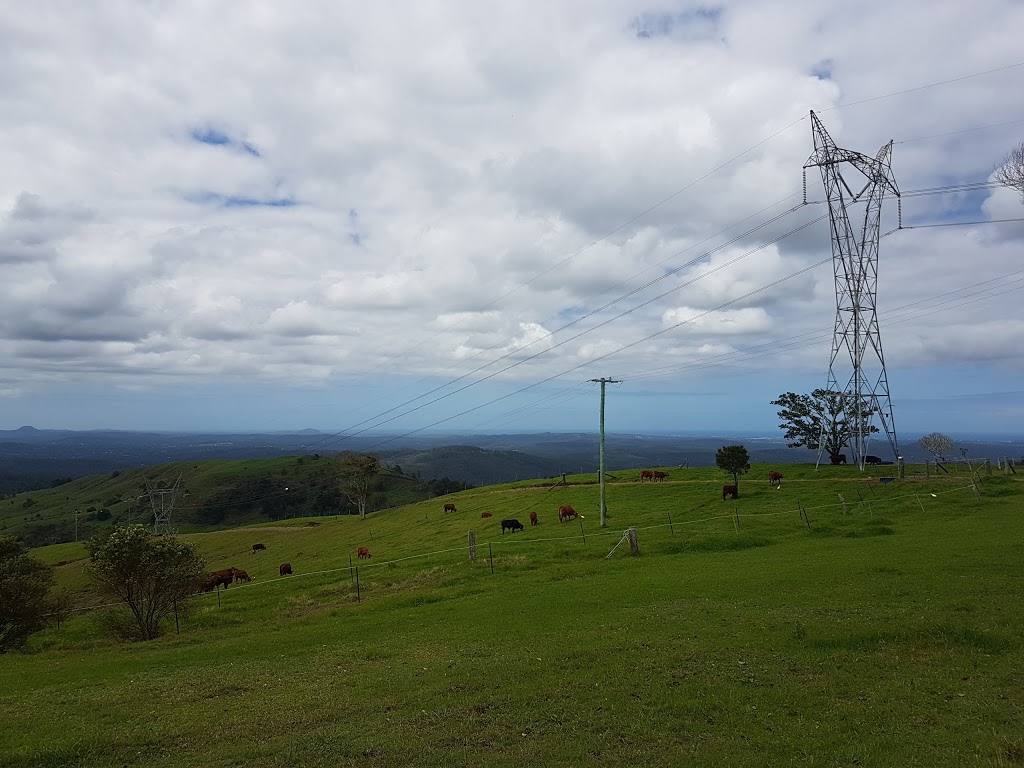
[
  {"x": 857, "y": 366},
  {"x": 162, "y": 500}
]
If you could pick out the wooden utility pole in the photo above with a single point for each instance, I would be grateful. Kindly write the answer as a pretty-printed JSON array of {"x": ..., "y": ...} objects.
[{"x": 604, "y": 509}]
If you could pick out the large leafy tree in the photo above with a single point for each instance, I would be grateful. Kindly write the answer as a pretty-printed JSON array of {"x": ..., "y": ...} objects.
[
  {"x": 733, "y": 460},
  {"x": 149, "y": 574},
  {"x": 356, "y": 471},
  {"x": 24, "y": 585},
  {"x": 819, "y": 420}
]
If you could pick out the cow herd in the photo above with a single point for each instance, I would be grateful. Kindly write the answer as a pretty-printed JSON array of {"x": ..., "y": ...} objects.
[{"x": 230, "y": 575}]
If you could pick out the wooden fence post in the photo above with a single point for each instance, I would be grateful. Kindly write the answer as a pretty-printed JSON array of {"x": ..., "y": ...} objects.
[
  {"x": 673, "y": 530},
  {"x": 472, "y": 546},
  {"x": 634, "y": 547},
  {"x": 988, "y": 467}
]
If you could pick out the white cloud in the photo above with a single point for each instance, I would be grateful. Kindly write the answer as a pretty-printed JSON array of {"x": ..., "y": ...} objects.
[{"x": 328, "y": 190}]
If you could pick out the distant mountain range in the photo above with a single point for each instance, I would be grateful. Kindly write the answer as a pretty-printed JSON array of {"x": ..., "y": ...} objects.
[{"x": 36, "y": 458}]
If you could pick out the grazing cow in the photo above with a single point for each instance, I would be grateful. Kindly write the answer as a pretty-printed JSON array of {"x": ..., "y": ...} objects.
[
  {"x": 364, "y": 553},
  {"x": 533, "y": 518},
  {"x": 659, "y": 477},
  {"x": 872, "y": 460},
  {"x": 512, "y": 525},
  {"x": 646, "y": 474},
  {"x": 484, "y": 514},
  {"x": 257, "y": 548},
  {"x": 241, "y": 576},
  {"x": 837, "y": 458},
  {"x": 730, "y": 490},
  {"x": 286, "y": 569},
  {"x": 566, "y": 512},
  {"x": 775, "y": 478},
  {"x": 209, "y": 584},
  {"x": 224, "y": 577},
  {"x": 449, "y": 507}
]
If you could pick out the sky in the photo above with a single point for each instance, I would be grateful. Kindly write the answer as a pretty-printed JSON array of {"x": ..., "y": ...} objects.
[{"x": 455, "y": 215}]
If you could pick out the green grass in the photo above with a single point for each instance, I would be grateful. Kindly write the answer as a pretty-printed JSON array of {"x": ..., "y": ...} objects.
[{"x": 889, "y": 635}]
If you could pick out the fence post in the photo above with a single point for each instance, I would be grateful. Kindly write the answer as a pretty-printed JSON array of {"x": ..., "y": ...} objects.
[
  {"x": 673, "y": 530},
  {"x": 634, "y": 547},
  {"x": 736, "y": 517},
  {"x": 584, "y": 533},
  {"x": 472, "y": 546},
  {"x": 842, "y": 501},
  {"x": 988, "y": 467},
  {"x": 927, "y": 468},
  {"x": 901, "y": 467}
]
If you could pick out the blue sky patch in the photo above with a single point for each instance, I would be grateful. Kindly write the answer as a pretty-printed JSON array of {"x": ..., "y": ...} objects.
[
  {"x": 822, "y": 70},
  {"x": 216, "y": 138},
  {"x": 205, "y": 197},
  {"x": 697, "y": 24}
]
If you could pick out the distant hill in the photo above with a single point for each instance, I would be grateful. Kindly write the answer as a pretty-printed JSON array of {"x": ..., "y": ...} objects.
[{"x": 31, "y": 459}]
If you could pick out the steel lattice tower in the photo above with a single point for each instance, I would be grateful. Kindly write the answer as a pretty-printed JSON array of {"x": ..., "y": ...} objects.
[
  {"x": 860, "y": 374},
  {"x": 162, "y": 500}
]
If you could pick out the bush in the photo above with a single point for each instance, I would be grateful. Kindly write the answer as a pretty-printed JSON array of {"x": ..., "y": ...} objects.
[
  {"x": 151, "y": 575},
  {"x": 24, "y": 585}
]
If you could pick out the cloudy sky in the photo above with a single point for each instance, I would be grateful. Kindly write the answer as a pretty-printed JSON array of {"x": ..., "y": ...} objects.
[{"x": 453, "y": 215}]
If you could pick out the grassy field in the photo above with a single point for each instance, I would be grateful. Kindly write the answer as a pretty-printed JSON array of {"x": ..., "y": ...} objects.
[{"x": 890, "y": 634}]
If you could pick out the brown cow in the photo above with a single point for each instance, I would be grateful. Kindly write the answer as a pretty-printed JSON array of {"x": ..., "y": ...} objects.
[
  {"x": 566, "y": 512},
  {"x": 241, "y": 576},
  {"x": 730, "y": 490},
  {"x": 286, "y": 569},
  {"x": 659, "y": 477},
  {"x": 646, "y": 474},
  {"x": 257, "y": 548},
  {"x": 484, "y": 514},
  {"x": 775, "y": 478},
  {"x": 364, "y": 553},
  {"x": 449, "y": 507},
  {"x": 225, "y": 577},
  {"x": 533, "y": 518}
]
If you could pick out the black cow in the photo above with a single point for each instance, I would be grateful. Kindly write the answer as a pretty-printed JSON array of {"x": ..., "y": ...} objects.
[
  {"x": 730, "y": 490},
  {"x": 837, "y": 458},
  {"x": 872, "y": 460},
  {"x": 258, "y": 548},
  {"x": 512, "y": 525}
]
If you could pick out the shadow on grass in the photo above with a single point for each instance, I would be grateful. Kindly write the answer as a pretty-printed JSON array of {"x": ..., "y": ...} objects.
[
  {"x": 934, "y": 636},
  {"x": 717, "y": 544}
]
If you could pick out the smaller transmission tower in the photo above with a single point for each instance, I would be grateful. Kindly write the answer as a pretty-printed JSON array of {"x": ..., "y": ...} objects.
[
  {"x": 855, "y": 217},
  {"x": 162, "y": 501}
]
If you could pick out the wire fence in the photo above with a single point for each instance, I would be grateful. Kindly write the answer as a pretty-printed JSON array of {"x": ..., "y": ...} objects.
[{"x": 509, "y": 542}]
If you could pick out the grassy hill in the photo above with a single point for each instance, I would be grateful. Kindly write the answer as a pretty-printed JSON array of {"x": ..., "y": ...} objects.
[
  {"x": 214, "y": 493},
  {"x": 746, "y": 633}
]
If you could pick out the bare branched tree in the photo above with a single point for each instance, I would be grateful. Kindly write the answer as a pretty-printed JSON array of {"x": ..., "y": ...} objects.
[
  {"x": 356, "y": 471},
  {"x": 1011, "y": 172}
]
